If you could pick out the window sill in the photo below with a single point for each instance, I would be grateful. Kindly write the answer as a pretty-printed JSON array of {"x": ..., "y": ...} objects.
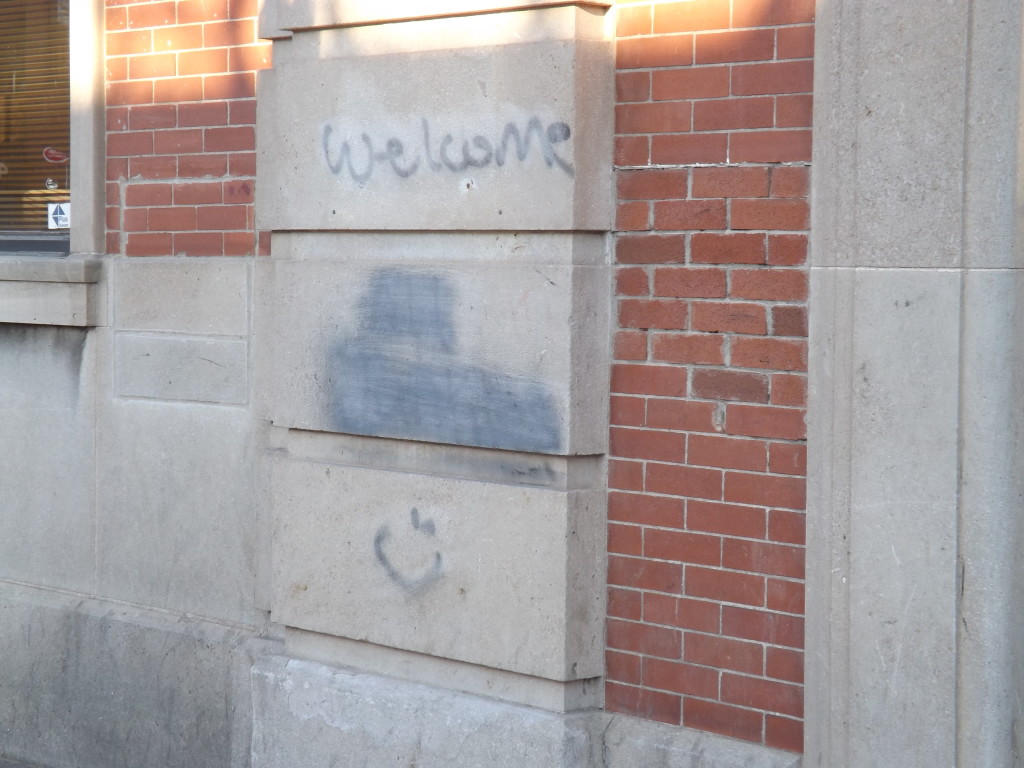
[{"x": 49, "y": 290}]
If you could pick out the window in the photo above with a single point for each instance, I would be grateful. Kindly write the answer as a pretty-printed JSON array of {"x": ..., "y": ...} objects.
[{"x": 35, "y": 134}]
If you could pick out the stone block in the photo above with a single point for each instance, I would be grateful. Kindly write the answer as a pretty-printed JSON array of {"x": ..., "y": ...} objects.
[
  {"x": 492, "y": 355},
  {"x": 175, "y": 368},
  {"x": 177, "y": 508},
  {"x": 48, "y": 303},
  {"x": 46, "y": 455},
  {"x": 388, "y": 141},
  {"x": 503, "y": 576},
  {"x": 186, "y": 295},
  {"x": 87, "y": 683},
  {"x": 310, "y": 714}
]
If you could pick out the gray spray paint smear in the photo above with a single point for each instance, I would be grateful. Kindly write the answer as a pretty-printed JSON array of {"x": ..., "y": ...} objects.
[{"x": 400, "y": 376}]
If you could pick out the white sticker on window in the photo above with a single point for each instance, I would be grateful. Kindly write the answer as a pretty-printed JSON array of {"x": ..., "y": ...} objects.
[{"x": 58, "y": 215}]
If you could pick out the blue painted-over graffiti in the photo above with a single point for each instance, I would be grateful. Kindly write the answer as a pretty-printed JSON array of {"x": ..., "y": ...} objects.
[{"x": 400, "y": 375}]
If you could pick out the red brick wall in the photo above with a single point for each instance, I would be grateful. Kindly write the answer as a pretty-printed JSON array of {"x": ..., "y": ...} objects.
[
  {"x": 706, "y": 499},
  {"x": 181, "y": 113}
]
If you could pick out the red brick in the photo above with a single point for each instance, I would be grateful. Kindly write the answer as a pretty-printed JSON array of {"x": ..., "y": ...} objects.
[
  {"x": 769, "y": 146},
  {"x": 690, "y": 282},
  {"x": 776, "y": 354},
  {"x": 769, "y": 284},
  {"x": 199, "y": 243},
  {"x": 682, "y": 546},
  {"x": 729, "y": 47},
  {"x": 785, "y": 596},
  {"x": 730, "y": 182},
  {"x": 727, "y": 317},
  {"x": 129, "y": 42},
  {"x": 789, "y": 321},
  {"x": 647, "y": 52},
  {"x": 191, "y": 11},
  {"x": 632, "y": 281},
  {"x": 648, "y": 444},
  {"x": 149, "y": 167},
  {"x": 115, "y": 19},
  {"x": 681, "y": 414},
  {"x": 768, "y": 695},
  {"x": 645, "y": 510},
  {"x": 691, "y": 16},
  {"x": 240, "y": 243},
  {"x": 659, "y": 117},
  {"x": 203, "y": 62},
  {"x": 238, "y": 85},
  {"x": 241, "y": 9},
  {"x": 229, "y": 33},
  {"x": 726, "y": 586},
  {"x": 630, "y": 345},
  {"x": 173, "y": 219},
  {"x": 763, "y": 557},
  {"x": 632, "y": 217},
  {"x": 640, "y": 702},
  {"x": 694, "y": 482},
  {"x": 242, "y": 164},
  {"x": 178, "y": 141},
  {"x": 723, "y": 653},
  {"x": 199, "y": 166},
  {"x": 786, "y": 526},
  {"x": 136, "y": 220},
  {"x": 696, "y": 83},
  {"x": 650, "y": 249},
  {"x": 129, "y": 93},
  {"x": 181, "y": 37},
  {"x": 785, "y": 664},
  {"x": 726, "y": 519},
  {"x": 795, "y": 42},
  {"x": 787, "y": 250},
  {"x": 117, "y": 119},
  {"x": 688, "y": 348},
  {"x": 148, "y": 194},
  {"x": 783, "y": 733},
  {"x": 202, "y": 114},
  {"x": 628, "y": 411},
  {"x": 689, "y": 214},
  {"x": 222, "y": 217},
  {"x": 147, "y": 244},
  {"x": 787, "y": 459},
  {"x": 113, "y": 243},
  {"x": 765, "y": 627},
  {"x": 632, "y": 86},
  {"x": 651, "y": 184},
  {"x": 794, "y": 111},
  {"x": 721, "y": 718},
  {"x": 633, "y": 20},
  {"x": 725, "y": 114},
  {"x": 773, "y": 12},
  {"x": 178, "y": 89},
  {"x": 152, "y": 116},
  {"x": 625, "y": 475},
  {"x": 151, "y": 65},
  {"x": 622, "y": 667},
  {"x": 680, "y": 678},
  {"x": 243, "y": 111},
  {"x": 681, "y": 612},
  {"x": 729, "y": 385},
  {"x": 233, "y": 139},
  {"x": 765, "y": 490},
  {"x": 726, "y": 452},
  {"x": 765, "y": 421},
  {"x": 197, "y": 194},
  {"x": 648, "y": 380},
  {"x": 152, "y": 15},
  {"x": 624, "y": 603},
  {"x": 790, "y": 181},
  {"x": 772, "y": 78},
  {"x": 632, "y": 150},
  {"x": 686, "y": 149},
  {"x": 644, "y": 638}
]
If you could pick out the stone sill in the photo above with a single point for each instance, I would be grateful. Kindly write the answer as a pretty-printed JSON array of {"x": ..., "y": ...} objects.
[{"x": 49, "y": 290}]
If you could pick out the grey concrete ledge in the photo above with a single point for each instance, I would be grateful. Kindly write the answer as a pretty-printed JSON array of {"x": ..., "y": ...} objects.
[{"x": 50, "y": 269}]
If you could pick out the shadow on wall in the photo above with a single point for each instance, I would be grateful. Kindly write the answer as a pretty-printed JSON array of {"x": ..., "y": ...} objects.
[{"x": 400, "y": 375}]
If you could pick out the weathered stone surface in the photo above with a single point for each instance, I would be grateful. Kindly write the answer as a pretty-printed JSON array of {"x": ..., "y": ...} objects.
[
  {"x": 388, "y": 141},
  {"x": 86, "y": 683},
  {"x": 176, "y": 368},
  {"x": 46, "y": 456},
  {"x": 48, "y": 303},
  {"x": 309, "y": 714},
  {"x": 504, "y": 576},
  {"x": 186, "y": 295},
  {"x": 491, "y": 355}
]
